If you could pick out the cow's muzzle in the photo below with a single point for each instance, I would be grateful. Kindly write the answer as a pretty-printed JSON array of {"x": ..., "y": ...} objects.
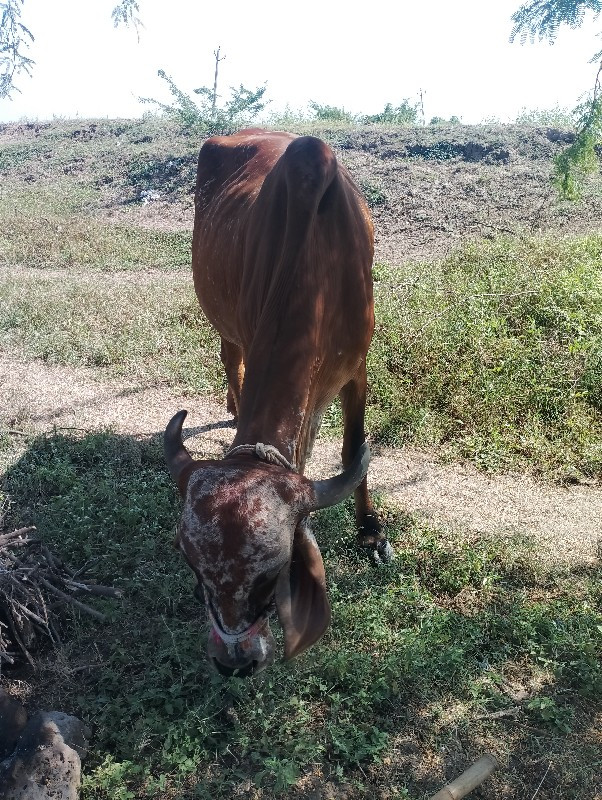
[
  {"x": 242, "y": 659},
  {"x": 245, "y": 653}
]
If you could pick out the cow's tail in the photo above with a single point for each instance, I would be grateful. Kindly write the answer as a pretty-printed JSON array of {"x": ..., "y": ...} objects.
[
  {"x": 304, "y": 178},
  {"x": 309, "y": 167}
]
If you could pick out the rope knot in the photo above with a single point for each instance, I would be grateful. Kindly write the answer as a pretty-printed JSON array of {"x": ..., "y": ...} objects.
[{"x": 264, "y": 452}]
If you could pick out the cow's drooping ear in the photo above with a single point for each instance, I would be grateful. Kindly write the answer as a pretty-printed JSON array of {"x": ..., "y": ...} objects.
[{"x": 301, "y": 599}]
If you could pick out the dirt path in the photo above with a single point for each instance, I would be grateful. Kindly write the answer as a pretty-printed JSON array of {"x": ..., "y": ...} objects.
[{"x": 566, "y": 522}]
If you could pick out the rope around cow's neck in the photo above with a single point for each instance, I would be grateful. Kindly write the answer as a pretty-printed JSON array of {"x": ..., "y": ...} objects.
[{"x": 265, "y": 452}]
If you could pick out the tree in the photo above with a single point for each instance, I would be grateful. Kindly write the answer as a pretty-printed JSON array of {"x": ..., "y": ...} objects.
[
  {"x": 541, "y": 19},
  {"x": 15, "y": 38}
]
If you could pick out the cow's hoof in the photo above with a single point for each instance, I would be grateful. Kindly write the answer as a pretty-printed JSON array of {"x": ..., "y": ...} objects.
[
  {"x": 383, "y": 553},
  {"x": 369, "y": 530},
  {"x": 371, "y": 538}
]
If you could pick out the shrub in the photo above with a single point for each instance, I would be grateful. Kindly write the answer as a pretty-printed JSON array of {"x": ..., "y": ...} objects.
[
  {"x": 453, "y": 120},
  {"x": 206, "y": 118},
  {"x": 494, "y": 354},
  {"x": 331, "y": 113},
  {"x": 405, "y": 113}
]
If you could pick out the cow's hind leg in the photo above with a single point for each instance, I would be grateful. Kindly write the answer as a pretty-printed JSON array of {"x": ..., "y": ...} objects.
[
  {"x": 353, "y": 400},
  {"x": 232, "y": 359}
]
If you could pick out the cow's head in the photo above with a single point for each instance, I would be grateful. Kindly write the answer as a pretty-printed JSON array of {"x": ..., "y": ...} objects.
[{"x": 244, "y": 533}]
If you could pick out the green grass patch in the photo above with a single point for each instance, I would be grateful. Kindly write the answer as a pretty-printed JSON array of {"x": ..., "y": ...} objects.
[
  {"x": 436, "y": 633},
  {"x": 56, "y": 227},
  {"x": 150, "y": 327},
  {"x": 495, "y": 354}
]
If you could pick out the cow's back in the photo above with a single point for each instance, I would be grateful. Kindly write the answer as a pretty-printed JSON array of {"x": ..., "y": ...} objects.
[
  {"x": 231, "y": 171},
  {"x": 265, "y": 221}
]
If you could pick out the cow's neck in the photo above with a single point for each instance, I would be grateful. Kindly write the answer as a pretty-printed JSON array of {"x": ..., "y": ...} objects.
[
  {"x": 282, "y": 416},
  {"x": 278, "y": 403}
]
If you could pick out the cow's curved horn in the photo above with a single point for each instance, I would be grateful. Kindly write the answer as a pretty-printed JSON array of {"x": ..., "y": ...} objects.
[
  {"x": 334, "y": 490},
  {"x": 176, "y": 455}
]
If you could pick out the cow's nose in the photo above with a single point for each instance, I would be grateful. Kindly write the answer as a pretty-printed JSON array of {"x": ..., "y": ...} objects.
[{"x": 241, "y": 672}]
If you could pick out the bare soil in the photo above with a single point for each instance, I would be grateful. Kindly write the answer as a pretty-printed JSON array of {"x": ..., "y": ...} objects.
[
  {"x": 442, "y": 186},
  {"x": 430, "y": 189}
]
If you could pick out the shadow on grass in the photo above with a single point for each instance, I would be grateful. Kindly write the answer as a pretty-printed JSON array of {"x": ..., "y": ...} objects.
[{"x": 419, "y": 656}]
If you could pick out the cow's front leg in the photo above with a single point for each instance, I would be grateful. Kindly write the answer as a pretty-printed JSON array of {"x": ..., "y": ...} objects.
[
  {"x": 232, "y": 359},
  {"x": 353, "y": 400}
]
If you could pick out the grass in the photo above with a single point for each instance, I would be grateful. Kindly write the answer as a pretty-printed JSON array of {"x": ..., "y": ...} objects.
[
  {"x": 492, "y": 355},
  {"x": 56, "y": 227},
  {"x": 61, "y": 181},
  {"x": 146, "y": 327},
  {"x": 419, "y": 651}
]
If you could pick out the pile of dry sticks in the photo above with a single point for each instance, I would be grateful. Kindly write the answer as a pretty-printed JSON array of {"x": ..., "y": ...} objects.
[{"x": 35, "y": 585}]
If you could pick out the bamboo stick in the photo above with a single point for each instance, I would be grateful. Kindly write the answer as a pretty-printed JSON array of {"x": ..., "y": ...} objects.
[{"x": 468, "y": 780}]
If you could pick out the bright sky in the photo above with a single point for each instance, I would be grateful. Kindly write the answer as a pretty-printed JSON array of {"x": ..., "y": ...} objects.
[{"x": 359, "y": 56}]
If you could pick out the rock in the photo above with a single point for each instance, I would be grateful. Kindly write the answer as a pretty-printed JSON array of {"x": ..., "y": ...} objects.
[
  {"x": 46, "y": 763},
  {"x": 13, "y": 719}
]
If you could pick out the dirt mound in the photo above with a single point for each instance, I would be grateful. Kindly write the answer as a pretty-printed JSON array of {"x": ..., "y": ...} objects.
[{"x": 432, "y": 188}]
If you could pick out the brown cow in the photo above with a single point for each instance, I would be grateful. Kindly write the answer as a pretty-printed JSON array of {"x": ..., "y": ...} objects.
[{"x": 281, "y": 258}]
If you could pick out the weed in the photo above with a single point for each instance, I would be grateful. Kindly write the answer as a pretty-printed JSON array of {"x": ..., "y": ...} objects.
[
  {"x": 494, "y": 354},
  {"x": 374, "y": 194},
  {"x": 546, "y": 710},
  {"x": 404, "y": 635}
]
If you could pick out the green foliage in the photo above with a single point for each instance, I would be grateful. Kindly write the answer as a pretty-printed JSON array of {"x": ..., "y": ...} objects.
[
  {"x": 204, "y": 118},
  {"x": 546, "y": 710},
  {"x": 551, "y": 117},
  {"x": 13, "y": 36},
  {"x": 374, "y": 193},
  {"x": 453, "y": 120},
  {"x": 326, "y": 113},
  {"x": 407, "y": 638},
  {"x": 541, "y": 19},
  {"x": 405, "y": 113},
  {"x": 125, "y": 13},
  {"x": 580, "y": 158},
  {"x": 495, "y": 355}
]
